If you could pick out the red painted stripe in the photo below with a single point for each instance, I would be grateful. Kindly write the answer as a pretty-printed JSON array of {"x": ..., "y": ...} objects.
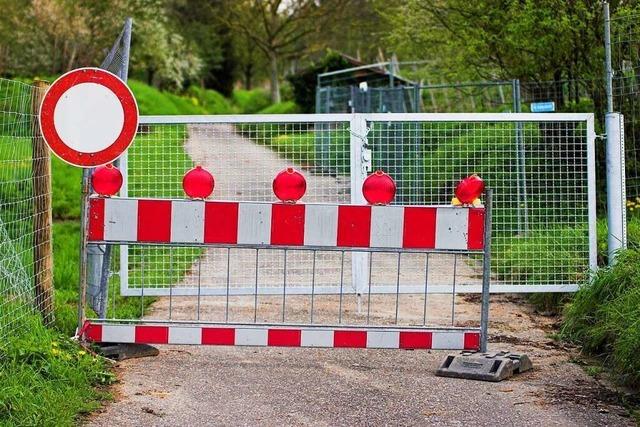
[
  {"x": 284, "y": 337},
  {"x": 354, "y": 226},
  {"x": 350, "y": 339},
  {"x": 93, "y": 333},
  {"x": 419, "y": 228},
  {"x": 96, "y": 219},
  {"x": 218, "y": 336},
  {"x": 154, "y": 221},
  {"x": 221, "y": 222},
  {"x": 152, "y": 334},
  {"x": 475, "y": 231},
  {"x": 472, "y": 340},
  {"x": 415, "y": 339},
  {"x": 287, "y": 224}
]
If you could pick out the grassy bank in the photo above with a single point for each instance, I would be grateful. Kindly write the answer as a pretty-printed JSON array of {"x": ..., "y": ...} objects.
[{"x": 604, "y": 318}]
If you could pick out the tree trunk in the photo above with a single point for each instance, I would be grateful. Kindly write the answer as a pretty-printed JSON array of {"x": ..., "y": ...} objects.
[
  {"x": 248, "y": 76},
  {"x": 275, "y": 83}
]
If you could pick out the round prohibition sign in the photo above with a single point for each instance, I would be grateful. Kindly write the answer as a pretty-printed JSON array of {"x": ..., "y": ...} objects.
[{"x": 88, "y": 117}]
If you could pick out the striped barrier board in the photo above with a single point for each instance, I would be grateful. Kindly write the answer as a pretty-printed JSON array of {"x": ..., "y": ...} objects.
[
  {"x": 289, "y": 336},
  {"x": 194, "y": 222}
]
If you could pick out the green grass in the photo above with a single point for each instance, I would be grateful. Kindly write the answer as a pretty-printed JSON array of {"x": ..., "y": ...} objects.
[
  {"x": 604, "y": 317},
  {"x": 46, "y": 379}
]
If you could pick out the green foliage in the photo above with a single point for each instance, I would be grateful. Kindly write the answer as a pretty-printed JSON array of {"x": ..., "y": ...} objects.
[
  {"x": 251, "y": 101},
  {"x": 287, "y": 107},
  {"x": 152, "y": 101},
  {"x": 47, "y": 379},
  {"x": 604, "y": 317},
  {"x": 212, "y": 101},
  {"x": 65, "y": 184},
  {"x": 537, "y": 257}
]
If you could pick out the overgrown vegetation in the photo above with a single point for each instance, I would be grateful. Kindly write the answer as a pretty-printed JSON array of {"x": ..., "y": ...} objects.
[{"x": 604, "y": 317}]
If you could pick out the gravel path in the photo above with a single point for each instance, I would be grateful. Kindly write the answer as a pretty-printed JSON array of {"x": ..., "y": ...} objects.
[{"x": 200, "y": 386}]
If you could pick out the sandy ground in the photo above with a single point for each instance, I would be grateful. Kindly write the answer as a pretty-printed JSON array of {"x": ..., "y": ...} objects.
[{"x": 276, "y": 386}]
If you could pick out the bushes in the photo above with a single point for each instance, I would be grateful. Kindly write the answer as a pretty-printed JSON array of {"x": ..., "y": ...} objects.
[
  {"x": 287, "y": 107},
  {"x": 212, "y": 101},
  {"x": 251, "y": 101},
  {"x": 604, "y": 317}
]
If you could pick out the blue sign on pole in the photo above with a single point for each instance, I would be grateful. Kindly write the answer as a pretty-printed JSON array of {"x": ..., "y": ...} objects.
[{"x": 543, "y": 107}]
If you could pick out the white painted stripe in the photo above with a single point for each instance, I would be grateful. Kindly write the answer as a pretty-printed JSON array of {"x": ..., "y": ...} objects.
[
  {"x": 118, "y": 333},
  {"x": 387, "y": 223},
  {"x": 254, "y": 223},
  {"x": 452, "y": 228},
  {"x": 316, "y": 338},
  {"x": 121, "y": 220},
  {"x": 251, "y": 336},
  {"x": 182, "y": 335},
  {"x": 447, "y": 340},
  {"x": 321, "y": 225},
  {"x": 383, "y": 339},
  {"x": 187, "y": 221}
]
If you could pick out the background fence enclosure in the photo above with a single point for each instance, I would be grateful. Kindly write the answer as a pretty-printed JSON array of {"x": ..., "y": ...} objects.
[{"x": 540, "y": 166}]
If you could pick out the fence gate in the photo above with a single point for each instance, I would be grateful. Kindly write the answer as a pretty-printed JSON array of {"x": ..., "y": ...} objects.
[
  {"x": 541, "y": 168},
  {"x": 328, "y": 317}
]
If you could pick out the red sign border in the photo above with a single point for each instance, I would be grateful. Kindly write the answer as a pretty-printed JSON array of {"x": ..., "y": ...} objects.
[{"x": 62, "y": 85}]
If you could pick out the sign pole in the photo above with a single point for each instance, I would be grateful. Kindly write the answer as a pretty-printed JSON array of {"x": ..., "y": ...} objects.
[{"x": 82, "y": 286}]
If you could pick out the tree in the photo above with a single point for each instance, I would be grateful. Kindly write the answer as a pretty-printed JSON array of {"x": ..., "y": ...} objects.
[{"x": 281, "y": 29}]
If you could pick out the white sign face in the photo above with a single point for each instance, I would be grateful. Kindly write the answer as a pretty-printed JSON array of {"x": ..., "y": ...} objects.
[
  {"x": 84, "y": 124},
  {"x": 88, "y": 117}
]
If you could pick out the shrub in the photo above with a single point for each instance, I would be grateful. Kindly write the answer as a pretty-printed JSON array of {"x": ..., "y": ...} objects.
[
  {"x": 210, "y": 100},
  {"x": 287, "y": 107},
  {"x": 251, "y": 101}
]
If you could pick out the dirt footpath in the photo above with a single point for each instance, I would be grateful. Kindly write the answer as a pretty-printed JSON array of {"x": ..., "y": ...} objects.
[{"x": 268, "y": 386}]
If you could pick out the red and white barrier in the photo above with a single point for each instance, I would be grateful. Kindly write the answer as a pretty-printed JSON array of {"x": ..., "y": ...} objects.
[
  {"x": 267, "y": 336},
  {"x": 277, "y": 224}
]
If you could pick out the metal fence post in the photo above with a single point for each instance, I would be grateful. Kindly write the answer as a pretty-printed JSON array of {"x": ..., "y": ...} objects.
[
  {"x": 607, "y": 55},
  {"x": 523, "y": 217},
  {"x": 358, "y": 171},
  {"x": 486, "y": 274},
  {"x": 616, "y": 209}
]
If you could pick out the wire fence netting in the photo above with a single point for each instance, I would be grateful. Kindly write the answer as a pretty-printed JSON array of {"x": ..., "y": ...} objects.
[
  {"x": 539, "y": 171},
  {"x": 18, "y": 207}
]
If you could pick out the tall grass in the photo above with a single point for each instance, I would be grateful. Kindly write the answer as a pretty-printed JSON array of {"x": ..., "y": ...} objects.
[
  {"x": 604, "y": 317},
  {"x": 46, "y": 379}
]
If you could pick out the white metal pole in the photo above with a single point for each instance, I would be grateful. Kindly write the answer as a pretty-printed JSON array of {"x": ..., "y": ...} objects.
[
  {"x": 358, "y": 172},
  {"x": 616, "y": 209}
]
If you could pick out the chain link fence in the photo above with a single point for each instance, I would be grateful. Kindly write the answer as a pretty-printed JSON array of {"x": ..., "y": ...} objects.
[{"x": 25, "y": 262}]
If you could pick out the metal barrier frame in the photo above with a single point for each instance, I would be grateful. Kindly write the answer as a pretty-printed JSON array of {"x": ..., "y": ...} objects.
[
  {"x": 255, "y": 334},
  {"x": 360, "y": 162}
]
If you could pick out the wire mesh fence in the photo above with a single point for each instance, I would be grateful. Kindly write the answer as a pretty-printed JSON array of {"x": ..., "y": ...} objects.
[
  {"x": 541, "y": 171},
  {"x": 20, "y": 207},
  {"x": 625, "y": 49},
  {"x": 488, "y": 96}
]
